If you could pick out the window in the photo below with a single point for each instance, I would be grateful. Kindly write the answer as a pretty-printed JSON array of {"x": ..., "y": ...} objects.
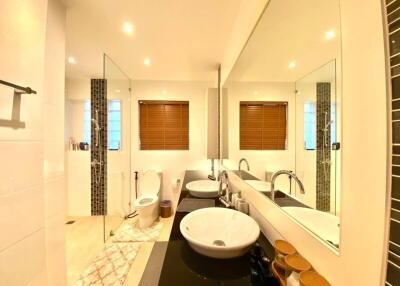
[
  {"x": 310, "y": 125},
  {"x": 86, "y": 121},
  {"x": 114, "y": 123},
  {"x": 164, "y": 125},
  {"x": 263, "y": 125}
]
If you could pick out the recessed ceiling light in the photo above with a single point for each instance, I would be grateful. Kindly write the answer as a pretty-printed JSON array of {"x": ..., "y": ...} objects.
[
  {"x": 147, "y": 61},
  {"x": 71, "y": 60},
  {"x": 329, "y": 35},
  {"x": 128, "y": 28},
  {"x": 117, "y": 91},
  {"x": 292, "y": 65},
  {"x": 255, "y": 92},
  {"x": 164, "y": 91}
]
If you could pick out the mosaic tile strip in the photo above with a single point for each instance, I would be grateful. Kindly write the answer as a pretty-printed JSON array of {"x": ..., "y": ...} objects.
[
  {"x": 98, "y": 99},
  {"x": 393, "y": 43},
  {"x": 323, "y": 147}
]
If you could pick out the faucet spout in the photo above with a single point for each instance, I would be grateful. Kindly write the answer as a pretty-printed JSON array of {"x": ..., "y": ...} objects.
[
  {"x": 240, "y": 166},
  {"x": 291, "y": 175}
]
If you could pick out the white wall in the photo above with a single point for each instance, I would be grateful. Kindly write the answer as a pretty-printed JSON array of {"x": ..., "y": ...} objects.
[
  {"x": 266, "y": 160},
  {"x": 31, "y": 173},
  {"x": 77, "y": 163},
  {"x": 119, "y": 179},
  {"x": 306, "y": 160},
  {"x": 363, "y": 156},
  {"x": 172, "y": 163}
]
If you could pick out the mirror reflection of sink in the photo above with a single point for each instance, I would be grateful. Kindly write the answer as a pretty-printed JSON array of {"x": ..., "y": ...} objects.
[
  {"x": 260, "y": 186},
  {"x": 203, "y": 188},
  {"x": 219, "y": 232},
  {"x": 325, "y": 225}
]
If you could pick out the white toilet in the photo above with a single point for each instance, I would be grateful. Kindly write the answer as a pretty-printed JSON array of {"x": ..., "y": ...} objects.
[{"x": 147, "y": 203}]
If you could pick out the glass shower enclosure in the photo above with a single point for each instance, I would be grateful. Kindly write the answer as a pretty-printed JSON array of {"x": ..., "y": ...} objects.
[{"x": 118, "y": 125}]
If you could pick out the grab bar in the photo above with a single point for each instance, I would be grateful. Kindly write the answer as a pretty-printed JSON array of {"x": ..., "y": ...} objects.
[{"x": 18, "y": 89}]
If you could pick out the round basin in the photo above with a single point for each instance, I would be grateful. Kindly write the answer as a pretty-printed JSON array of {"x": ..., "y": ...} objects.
[
  {"x": 219, "y": 232},
  {"x": 203, "y": 188},
  {"x": 260, "y": 186},
  {"x": 325, "y": 225}
]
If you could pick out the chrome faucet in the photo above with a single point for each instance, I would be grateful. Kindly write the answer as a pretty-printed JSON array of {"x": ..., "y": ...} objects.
[
  {"x": 240, "y": 166},
  {"x": 212, "y": 176},
  {"x": 97, "y": 171},
  {"x": 224, "y": 192},
  {"x": 291, "y": 175},
  {"x": 96, "y": 163}
]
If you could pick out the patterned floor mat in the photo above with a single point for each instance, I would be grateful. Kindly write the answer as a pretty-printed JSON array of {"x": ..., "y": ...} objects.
[
  {"x": 111, "y": 266},
  {"x": 129, "y": 232}
]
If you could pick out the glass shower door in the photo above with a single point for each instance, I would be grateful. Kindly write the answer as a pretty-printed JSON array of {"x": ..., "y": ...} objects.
[
  {"x": 318, "y": 137},
  {"x": 118, "y": 177}
]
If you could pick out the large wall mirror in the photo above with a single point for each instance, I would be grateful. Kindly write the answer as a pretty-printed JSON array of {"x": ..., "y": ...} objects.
[{"x": 281, "y": 113}]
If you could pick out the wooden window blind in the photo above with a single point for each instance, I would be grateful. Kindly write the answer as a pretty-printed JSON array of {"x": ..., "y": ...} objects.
[
  {"x": 263, "y": 125},
  {"x": 164, "y": 125}
]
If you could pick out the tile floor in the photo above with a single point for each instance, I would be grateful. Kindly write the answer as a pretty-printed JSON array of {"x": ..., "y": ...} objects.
[{"x": 84, "y": 241}]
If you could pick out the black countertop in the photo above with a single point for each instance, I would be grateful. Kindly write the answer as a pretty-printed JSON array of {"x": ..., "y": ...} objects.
[
  {"x": 245, "y": 175},
  {"x": 175, "y": 263}
]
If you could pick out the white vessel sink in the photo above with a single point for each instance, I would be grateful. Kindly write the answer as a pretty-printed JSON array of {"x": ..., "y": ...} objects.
[
  {"x": 323, "y": 224},
  {"x": 260, "y": 186},
  {"x": 203, "y": 188},
  {"x": 219, "y": 232}
]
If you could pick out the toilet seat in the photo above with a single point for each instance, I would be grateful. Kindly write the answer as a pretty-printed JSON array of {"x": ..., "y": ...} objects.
[
  {"x": 146, "y": 200},
  {"x": 149, "y": 188}
]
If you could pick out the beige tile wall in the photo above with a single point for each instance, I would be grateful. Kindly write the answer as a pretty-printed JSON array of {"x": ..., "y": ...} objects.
[
  {"x": 53, "y": 144},
  {"x": 22, "y": 243},
  {"x": 31, "y": 169}
]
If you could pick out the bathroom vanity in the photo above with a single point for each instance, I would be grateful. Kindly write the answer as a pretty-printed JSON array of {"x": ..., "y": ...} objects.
[{"x": 174, "y": 262}]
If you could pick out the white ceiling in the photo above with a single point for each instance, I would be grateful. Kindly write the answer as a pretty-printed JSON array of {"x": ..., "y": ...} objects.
[
  {"x": 290, "y": 30},
  {"x": 185, "y": 39}
]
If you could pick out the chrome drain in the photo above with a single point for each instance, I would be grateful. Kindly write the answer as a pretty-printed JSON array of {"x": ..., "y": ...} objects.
[{"x": 219, "y": 242}]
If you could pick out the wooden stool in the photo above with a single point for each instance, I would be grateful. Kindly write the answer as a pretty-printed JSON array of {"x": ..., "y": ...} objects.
[
  {"x": 296, "y": 264},
  {"x": 312, "y": 278},
  {"x": 283, "y": 248}
]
